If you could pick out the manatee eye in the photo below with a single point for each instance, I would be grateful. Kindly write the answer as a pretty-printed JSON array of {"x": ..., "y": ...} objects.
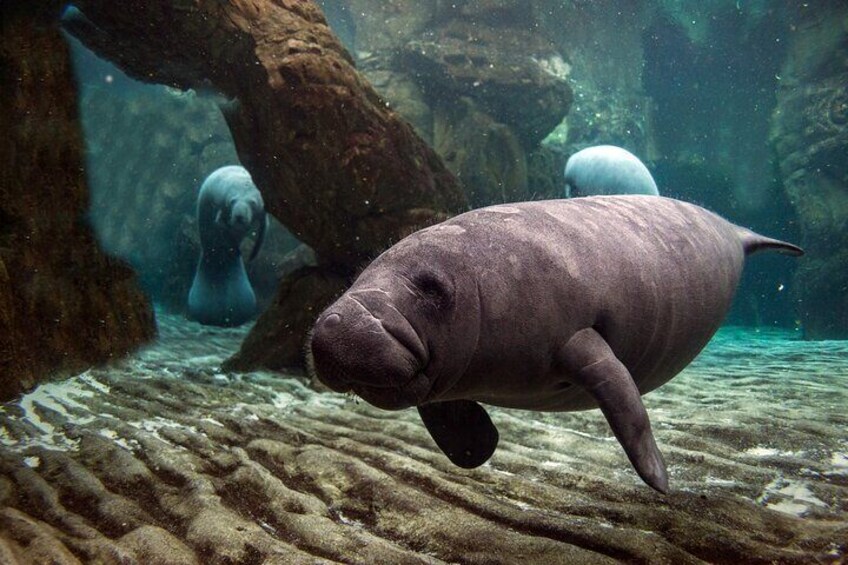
[{"x": 435, "y": 290}]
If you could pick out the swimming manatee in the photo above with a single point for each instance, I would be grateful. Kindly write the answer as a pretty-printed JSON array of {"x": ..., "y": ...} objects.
[
  {"x": 607, "y": 169},
  {"x": 555, "y": 305},
  {"x": 229, "y": 206}
]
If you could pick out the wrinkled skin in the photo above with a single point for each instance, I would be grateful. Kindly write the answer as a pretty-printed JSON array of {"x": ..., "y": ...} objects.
[
  {"x": 555, "y": 306},
  {"x": 389, "y": 338},
  {"x": 229, "y": 206}
]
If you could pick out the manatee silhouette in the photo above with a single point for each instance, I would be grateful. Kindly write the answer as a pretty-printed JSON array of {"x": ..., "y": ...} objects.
[{"x": 229, "y": 206}]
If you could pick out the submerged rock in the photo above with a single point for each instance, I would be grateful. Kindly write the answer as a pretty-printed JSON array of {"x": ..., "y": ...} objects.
[
  {"x": 64, "y": 304},
  {"x": 810, "y": 135},
  {"x": 515, "y": 75},
  {"x": 276, "y": 341},
  {"x": 149, "y": 149}
]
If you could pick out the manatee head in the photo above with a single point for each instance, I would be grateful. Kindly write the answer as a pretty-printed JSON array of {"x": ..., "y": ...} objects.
[
  {"x": 243, "y": 210},
  {"x": 404, "y": 332},
  {"x": 237, "y": 202},
  {"x": 607, "y": 169}
]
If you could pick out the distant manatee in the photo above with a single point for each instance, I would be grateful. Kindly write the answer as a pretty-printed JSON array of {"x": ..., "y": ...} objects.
[
  {"x": 607, "y": 169},
  {"x": 228, "y": 207}
]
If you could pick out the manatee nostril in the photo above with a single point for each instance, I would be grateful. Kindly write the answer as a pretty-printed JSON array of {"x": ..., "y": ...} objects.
[
  {"x": 331, "y": 321},
  {"x": 323, "y": 348},
  {"x": 325, "y": 334},
  {"x": 326, "y": 330}
]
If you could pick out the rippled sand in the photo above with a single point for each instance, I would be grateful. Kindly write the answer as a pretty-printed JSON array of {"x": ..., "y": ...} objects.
[{"x": 164, "y": 459}]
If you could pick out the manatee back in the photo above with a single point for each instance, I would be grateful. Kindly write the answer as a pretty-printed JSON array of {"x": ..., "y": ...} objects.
[
  {"x": 654, "y": 276},
  {"x": 607, "y": 169},
  {"x": 663, "y": 279}
]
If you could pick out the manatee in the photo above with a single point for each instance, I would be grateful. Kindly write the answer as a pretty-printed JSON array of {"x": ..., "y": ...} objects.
[
  {"x": 229, "y": 206},
  {"x": 607, "y": 169},
  {"x": 556, "y": 305}
]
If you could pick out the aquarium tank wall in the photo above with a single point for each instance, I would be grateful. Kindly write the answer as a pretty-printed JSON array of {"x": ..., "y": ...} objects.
[{"x": 377, "y": 282}]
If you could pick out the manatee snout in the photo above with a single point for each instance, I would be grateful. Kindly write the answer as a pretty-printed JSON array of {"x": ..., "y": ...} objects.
[
  {"x": 375, "y": 354},
  {"x": 241, "y": 215},
  {"x": 326, "y": 353}
]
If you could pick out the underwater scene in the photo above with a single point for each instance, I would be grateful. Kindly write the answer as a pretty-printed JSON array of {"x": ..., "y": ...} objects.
[{"x": 378, "y": 282}]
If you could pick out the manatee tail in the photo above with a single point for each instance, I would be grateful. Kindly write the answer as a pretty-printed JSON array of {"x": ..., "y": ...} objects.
[{"x": 754, "y": 243}]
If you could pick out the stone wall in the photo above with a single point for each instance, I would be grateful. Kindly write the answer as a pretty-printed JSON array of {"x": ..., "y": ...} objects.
[
  {"x": 602, "y": 42},
  {"x": 64, "y": 305},
  {"x": 482, "y": 82},
  {"x": 809, "y": 132}
]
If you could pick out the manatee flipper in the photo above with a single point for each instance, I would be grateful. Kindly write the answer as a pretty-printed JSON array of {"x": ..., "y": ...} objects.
[
  {"x": 260, "y": 236},
  {"x": 592, "y": 364},
  {"x": 754, "y": 243},
  {"x": 462, "y": 429}
]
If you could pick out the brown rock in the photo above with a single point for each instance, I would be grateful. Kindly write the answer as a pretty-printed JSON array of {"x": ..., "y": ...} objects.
[
  {"x": 337, "y": 167},
  {"x": 516, "y": 76},
  {"x": 64, "y": 305}
]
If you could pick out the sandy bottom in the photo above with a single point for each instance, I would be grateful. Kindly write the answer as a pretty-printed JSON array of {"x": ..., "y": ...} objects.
[{"x": 165, "y": 459}]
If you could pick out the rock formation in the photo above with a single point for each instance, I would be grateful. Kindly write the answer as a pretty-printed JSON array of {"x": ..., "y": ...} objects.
[
  {"x": 64, "y": 305},
  {"x": 341, "y": 170},
  {"x": 148, "y": 150},
  {"x": 810, "y": 135},
  {"x": 482, "y": 82},
  {"x": 277, "y": 340}
]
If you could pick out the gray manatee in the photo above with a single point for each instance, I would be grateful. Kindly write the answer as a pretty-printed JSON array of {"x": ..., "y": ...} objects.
[
  {"x": 556, "y": 305},
  {"x": 607, "y": 169},
  {"x": 229, "y": 206}
]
